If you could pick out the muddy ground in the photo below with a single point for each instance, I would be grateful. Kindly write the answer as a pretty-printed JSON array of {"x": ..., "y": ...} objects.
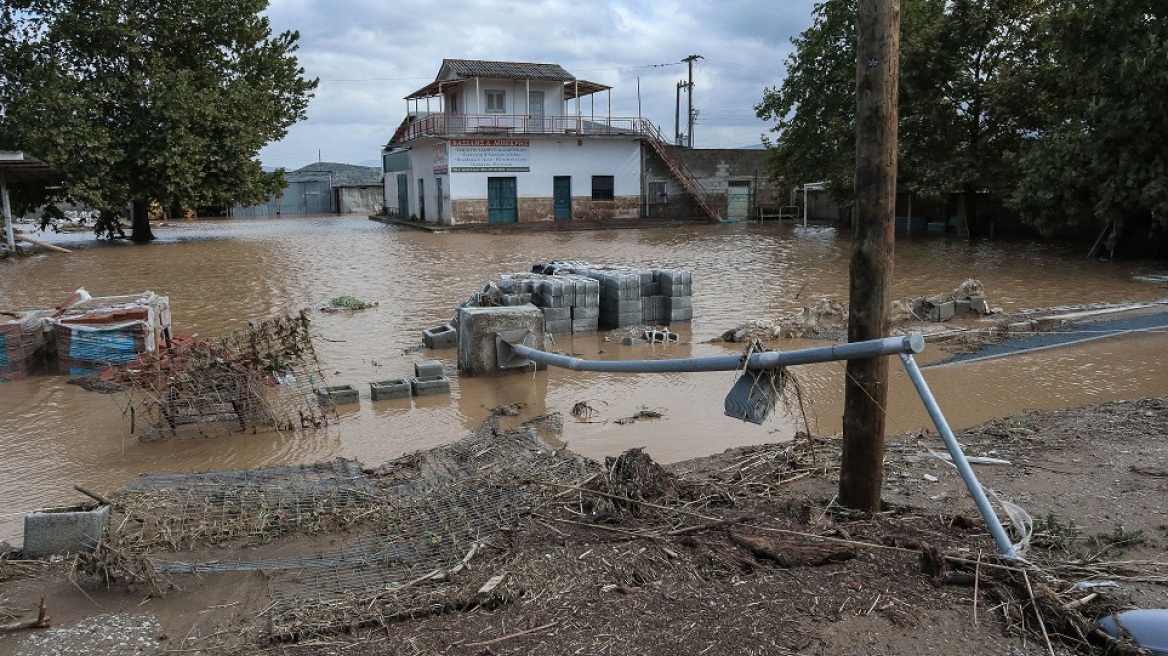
[{"x": 744, "y": 552}]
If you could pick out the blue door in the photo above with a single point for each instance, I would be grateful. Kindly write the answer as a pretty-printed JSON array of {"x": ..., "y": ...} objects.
[
  {"x": 562, "y": 191},
  {"x": 502, "y": 202}
]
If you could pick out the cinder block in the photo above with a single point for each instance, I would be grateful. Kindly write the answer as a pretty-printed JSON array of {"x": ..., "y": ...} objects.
[
  {"x": 557, "y": 314},
  {"x": 616, "y": 320},
  {"x": 678, "y": 303},
  {"x": 651, "y": 289},
  {"x": 60, "y": 531},
  {"x": 430, "y": 386},
  {"x": 338, "y": 395},
  {"x": 562, "y": 327},
  {"x": 961, "y": 307},
  {"x": 441, "y": 337},
  {"x": 399, "y": 388},
  {"x": 478, "y": 328},
  {"x": 620, "y": 307},
  {"x": 586, "y": 325},
  {"x": 428, "y": 368},
  {"x": 584, "y": 313},
  {"x": 945, "y": 310},
  {"x": 977, "y": 303},
  {"x": 681, "y": 315}
]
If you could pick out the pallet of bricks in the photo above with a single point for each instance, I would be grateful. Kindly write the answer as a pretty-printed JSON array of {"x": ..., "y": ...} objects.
[
  {"x": 578, "y": 297},
  {"x": 95, "y": 333},
  {"x": 24, "y": 346}
]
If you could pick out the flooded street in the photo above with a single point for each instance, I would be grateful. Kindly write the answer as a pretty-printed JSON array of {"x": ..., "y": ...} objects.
[{"x": 219, "y": 273}]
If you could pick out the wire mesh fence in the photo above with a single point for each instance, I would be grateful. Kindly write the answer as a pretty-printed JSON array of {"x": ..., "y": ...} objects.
[{"x": 262, "y": 377}]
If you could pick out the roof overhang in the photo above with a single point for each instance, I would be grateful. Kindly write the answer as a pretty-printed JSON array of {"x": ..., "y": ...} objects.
[
  {"x": 21, "y": 167},
  {"x": 581, "y": 88},
  {"x": 435, "y": 88}
]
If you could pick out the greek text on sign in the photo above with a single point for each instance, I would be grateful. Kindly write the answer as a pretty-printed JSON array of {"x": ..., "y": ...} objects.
[{"x": 503, "y": 155}]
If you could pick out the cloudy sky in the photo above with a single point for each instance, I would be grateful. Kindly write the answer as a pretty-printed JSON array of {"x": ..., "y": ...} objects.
[{"x": 370, "y": 54}]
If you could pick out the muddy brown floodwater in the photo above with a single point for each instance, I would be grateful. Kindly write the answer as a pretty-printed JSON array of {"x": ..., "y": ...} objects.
[{"x": 220, "y": 273}]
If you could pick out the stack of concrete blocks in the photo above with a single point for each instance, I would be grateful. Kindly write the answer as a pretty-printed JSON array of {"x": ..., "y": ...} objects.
[
  {"x": 631, "y": 297},
  {"x": 570, "y": 303},
  {"x": 430, "y": 378}
]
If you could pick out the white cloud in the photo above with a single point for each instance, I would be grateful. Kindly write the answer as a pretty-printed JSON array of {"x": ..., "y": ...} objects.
[{"x": 369, "y": 55}]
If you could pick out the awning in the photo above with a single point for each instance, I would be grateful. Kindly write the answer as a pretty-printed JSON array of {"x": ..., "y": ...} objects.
[
  {"x": 435, "y": 88},
  {"x": 581, "y": 88}
]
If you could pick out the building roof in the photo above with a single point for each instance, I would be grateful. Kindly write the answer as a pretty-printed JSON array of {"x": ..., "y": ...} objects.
[
  {"x": 341, "y": 175},
  {"x": 456, "y": 71},
  {"x": 513, "y": 70}
]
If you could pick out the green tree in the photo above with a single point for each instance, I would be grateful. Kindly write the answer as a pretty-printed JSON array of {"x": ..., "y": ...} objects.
[
  {"x": 814, "y": 109},
  {"x": 1105, "y": 154},
  {"x": 142, "y": 101},
  {"x": 963, "y": 108}
]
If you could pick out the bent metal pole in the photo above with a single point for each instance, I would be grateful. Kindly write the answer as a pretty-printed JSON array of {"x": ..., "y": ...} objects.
[
  {"x": 959, "y": 460},
  {"x": 912, "y": 343}
]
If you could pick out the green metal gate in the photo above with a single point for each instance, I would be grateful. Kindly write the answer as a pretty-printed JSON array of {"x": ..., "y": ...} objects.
[
  {"x": 562, "y": 191},
  {"x": 502, "y": 201}
]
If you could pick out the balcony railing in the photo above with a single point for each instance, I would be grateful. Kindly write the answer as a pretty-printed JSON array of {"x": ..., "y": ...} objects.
[{"x": 444, "y": 125}]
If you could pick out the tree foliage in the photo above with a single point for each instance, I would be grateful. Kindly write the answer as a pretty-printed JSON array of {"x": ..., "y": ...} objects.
[
  {"x": 142, "y": 101},
  {"x": 1104, "y": 153},
  {"x": 1053, "y": 105}
]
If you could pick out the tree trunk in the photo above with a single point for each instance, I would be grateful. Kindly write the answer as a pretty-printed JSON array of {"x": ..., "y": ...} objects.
[
  {"x": 140, "y": 232},
  {"x": 870, "y": 294}
]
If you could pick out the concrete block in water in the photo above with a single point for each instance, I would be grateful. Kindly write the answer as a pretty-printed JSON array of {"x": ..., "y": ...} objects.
[
  {"x": 678, "y": 303},
  {"x": 560, "y": 327},
  {"x": 945, "y": 311},
  {"x": 977, "y": 303},
  {"x": 428, "y": 368},
  {"x": 338, "y": 395},
  {"x": 399, "y": 388},
  {"x": 681, "y": 315},
  {"x": 961, "y": 307},
  {"x": 444, "y": 336},
  {"x": 478, "y": 327},
  {"x": 586, "y": 325},
  {"x": 51, "y": 532},
  {"x": 430, "y": 385}
]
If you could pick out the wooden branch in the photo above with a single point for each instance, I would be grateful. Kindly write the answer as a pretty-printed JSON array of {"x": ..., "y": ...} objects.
[
  {"x": 37, "y": 242},
  {"x": 93, "y": 495},
  {"x": 512, "y": 635},
  {"x": 41, "y": 622}
]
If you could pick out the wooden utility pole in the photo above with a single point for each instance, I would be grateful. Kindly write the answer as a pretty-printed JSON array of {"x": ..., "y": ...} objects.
[{"x": 866, "y": 387}]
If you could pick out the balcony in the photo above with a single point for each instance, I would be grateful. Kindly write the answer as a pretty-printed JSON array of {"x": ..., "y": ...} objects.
[{"x": 462, "y": 125}]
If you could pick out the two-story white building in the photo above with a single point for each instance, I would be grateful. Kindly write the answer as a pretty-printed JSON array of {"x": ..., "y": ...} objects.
[{"x": 506, "y": 142}]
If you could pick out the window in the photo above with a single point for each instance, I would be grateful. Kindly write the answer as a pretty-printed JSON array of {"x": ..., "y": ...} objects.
[
  {"x": 657, "y": 193},
  {"x": 496, "y": 102},
  {"x": 602, "y": 187}
]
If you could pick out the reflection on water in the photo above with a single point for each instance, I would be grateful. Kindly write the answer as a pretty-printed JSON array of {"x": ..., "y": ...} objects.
[{"x": 219, "y": 273}]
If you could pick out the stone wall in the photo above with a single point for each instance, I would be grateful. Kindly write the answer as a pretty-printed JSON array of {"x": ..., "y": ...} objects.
[{"x": 533, "y": 210}]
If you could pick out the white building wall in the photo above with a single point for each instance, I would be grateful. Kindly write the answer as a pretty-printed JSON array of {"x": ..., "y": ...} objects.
[
  {"x": 550, "y": 157},
  {"x": 473, "y": 99}
]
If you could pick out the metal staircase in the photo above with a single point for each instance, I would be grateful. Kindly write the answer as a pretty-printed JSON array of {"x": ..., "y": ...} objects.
[{"x": 679, "y": 170}]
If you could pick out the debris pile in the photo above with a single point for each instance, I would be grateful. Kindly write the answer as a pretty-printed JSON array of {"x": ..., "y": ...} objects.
[
  {"x": 578, "y": 297},
  {"x": 263, "y": 375},
  {"x": 24, "y": 346},
  {"x": 828, "y": 319}
]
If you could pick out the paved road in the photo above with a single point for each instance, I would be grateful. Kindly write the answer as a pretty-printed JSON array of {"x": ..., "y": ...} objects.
[{"x": 1075, "y": 333}]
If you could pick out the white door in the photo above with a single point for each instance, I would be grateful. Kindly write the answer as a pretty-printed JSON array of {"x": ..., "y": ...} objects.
[{"x": 535, "y": 111}]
